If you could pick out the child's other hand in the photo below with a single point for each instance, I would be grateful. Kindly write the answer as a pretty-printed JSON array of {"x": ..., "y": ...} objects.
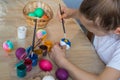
[{"x": 58, "y": 53}]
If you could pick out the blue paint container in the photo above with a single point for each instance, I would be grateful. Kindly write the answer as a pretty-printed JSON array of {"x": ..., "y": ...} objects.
[{"x": 34, "y": 58}]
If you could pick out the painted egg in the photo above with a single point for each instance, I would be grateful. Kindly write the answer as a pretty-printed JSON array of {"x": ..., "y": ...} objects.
[
  {"x": 41, "y": 33},
  {"x": 62, "y": 74},
  {"x": 65, "y": 42},
  {"x": 45, "y": 16},
  {"x": 8, "y": 46},
  {"x": 48, "y": 78},
  {"x": 45, "y": 65},
  {"x": 39, "y": 12},
  {"x": 21, "y": 53},
  {"x": 31, "y": 14}
]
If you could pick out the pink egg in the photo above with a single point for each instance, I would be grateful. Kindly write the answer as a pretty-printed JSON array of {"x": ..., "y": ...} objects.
[
  {"x": 45, "y": 65},
  {"x": 41, "y": 33},
  {"x": 8, "y": 46}
]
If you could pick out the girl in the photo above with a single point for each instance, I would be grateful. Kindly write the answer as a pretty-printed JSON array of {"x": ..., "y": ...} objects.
[{"x": 102, "y": 18}]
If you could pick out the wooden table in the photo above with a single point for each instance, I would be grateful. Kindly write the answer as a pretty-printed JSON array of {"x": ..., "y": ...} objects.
[{"x": 82, "y": 53}]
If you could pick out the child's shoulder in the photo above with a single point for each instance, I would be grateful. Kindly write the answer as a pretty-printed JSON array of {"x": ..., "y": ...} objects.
[
  {"x": 109, "y": 41},
  {"x": 109, "y": 37}
]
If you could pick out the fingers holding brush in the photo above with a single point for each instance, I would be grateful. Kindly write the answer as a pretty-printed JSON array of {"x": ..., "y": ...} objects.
[{"x": 65, "y": 13}]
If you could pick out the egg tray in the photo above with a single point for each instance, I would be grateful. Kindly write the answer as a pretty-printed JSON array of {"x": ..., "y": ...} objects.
[{"x": 41, "y": 22}]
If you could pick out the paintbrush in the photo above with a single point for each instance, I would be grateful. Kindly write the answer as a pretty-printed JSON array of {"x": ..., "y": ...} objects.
[
  {"x": 33, "y": 42},
  {"x": 38, "y": 42},
  {"x": 63, "y": 25}
]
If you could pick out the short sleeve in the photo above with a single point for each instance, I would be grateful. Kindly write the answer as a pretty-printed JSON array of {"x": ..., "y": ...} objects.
[{"x": 114, "y": 62}]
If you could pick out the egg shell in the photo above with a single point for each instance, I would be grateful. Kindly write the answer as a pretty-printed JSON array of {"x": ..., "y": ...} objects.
[
  {"x": 31, "y": 14},
  {"x": 65, "y": 42},
  {"x": 45, "y": 16},
  {"x": 8, "y": 46},
  {"x": 49, "y": 77},
  {"x": 41, "y": 33},
  {"x": 39, "y": 12},
  {"x": 45, "y": 65},
  {"x": 61, "y": 74}
]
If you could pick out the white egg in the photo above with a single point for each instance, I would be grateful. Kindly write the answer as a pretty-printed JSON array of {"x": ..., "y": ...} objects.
[
  {"x": 48, "y": 78},
  {"x": 62, "y": 43}
]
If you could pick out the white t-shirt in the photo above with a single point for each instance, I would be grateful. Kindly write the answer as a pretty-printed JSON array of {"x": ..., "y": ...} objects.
[{"x": 108, "y": 48}]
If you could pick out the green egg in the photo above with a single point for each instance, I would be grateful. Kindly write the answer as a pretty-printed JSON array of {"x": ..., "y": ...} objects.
[
  {"x": 31, "y": 14},
  {"x": 39, "y": 12}
]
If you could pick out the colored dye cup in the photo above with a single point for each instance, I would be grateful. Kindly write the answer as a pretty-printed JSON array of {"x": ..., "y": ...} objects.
[
  {"x": 21, "y": 32},
  {"x": 49, "y": 44},
  {"x": 34, "y": 58},
  {"x": 28, "y": 50},
  {"x": 21, "y": 54},
  {"x": 44, "y": 49},
  {"x": 28, "y": 63},
  {"x": 21, "y": 71}
]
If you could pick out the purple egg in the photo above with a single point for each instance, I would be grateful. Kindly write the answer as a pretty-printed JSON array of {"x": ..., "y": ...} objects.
[
  {"x": 62, "y": 74},
  {"x": 20, "y": 53}
]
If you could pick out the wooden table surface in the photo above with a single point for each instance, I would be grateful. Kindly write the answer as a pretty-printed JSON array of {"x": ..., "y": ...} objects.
[{"x": 82, "y": 53}]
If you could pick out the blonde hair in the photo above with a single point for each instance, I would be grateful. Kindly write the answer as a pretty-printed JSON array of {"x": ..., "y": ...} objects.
[{"x": 108, "y": 12}]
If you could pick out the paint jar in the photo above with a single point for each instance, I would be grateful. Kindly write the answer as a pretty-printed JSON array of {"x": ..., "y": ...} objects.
[
  {"x": 43, "y": 48},
  {"x": 21, "y": 69},
  {"x": 21, "y": 32},
  {"x": 28, "y": 50},
  {"x": 21, "y": 53},
  {"x": 28, "y": 63},
  {"x": 49, "y": 44},
  {"x": 34, "y": 58}
]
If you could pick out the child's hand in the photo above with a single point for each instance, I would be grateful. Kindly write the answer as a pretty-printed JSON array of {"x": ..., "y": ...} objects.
[
  {"x": 58, "y": 54},
  {"x": 66, "y": 12}
]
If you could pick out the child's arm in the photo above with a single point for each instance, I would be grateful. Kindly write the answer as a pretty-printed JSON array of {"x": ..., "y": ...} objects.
[
  {"x": 78, "y": 74},
  {"x": 58, "y": 55}
]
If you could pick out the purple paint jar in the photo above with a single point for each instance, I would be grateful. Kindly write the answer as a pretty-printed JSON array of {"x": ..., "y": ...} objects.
[{"x": 21, "y": 54}]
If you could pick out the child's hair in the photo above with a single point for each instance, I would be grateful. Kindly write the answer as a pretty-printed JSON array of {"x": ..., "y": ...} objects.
[{"x": 107, "y": 11}]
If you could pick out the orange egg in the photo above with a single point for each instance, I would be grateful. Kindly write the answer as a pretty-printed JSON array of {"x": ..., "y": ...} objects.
[{"x": 45, "y": 16}]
